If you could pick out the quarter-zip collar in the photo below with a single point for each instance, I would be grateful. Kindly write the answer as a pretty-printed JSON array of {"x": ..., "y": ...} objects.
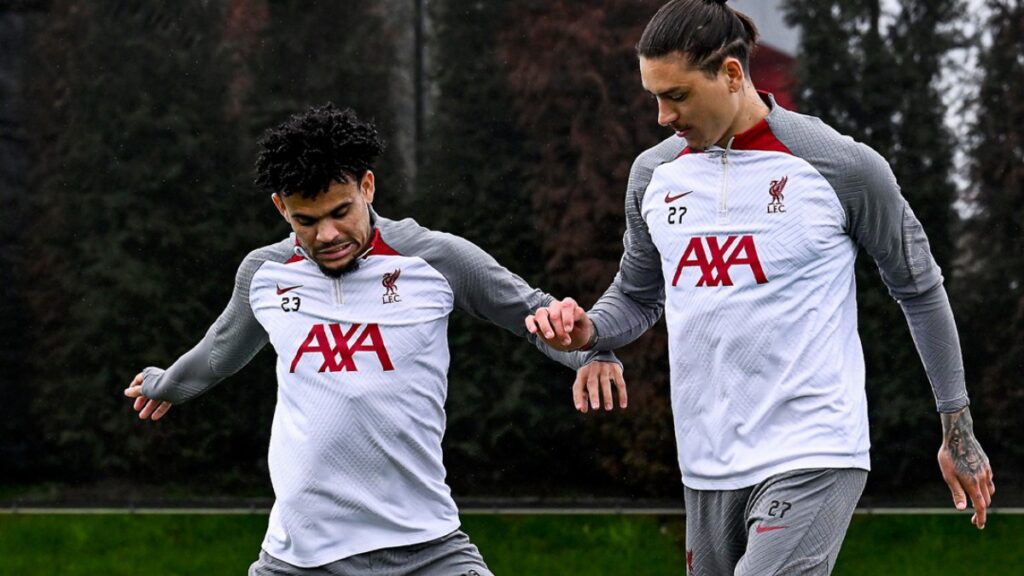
[{"x": 757, "y": 137}]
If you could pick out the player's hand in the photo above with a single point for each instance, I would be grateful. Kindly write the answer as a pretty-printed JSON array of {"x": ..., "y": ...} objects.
[
  {"x": 562, "y": 325},
  {"x": 146, "y": 407},
  {"x": 594, "y": 382},
  {"x": 964, "y": 465}
]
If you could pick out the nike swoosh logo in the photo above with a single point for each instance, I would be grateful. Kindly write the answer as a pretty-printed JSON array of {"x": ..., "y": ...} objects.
[
  {"x": 670, "y": 198},
  {"x": 762, "y": 529},
  {"x": 286, "y": 290}
]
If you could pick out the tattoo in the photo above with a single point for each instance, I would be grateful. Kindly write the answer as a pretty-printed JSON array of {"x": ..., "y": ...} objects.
[{"x": 958, "y": 436}]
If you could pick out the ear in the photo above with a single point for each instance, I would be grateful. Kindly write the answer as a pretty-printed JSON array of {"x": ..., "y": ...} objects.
[
  {"x": 367, "y": 187},
  {"x": 279, "y": 203},
  {"x": 733, "y": 71}
]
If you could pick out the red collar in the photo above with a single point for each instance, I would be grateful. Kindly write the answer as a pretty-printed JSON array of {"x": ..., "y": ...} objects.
[{"x": 757, "y": 137}]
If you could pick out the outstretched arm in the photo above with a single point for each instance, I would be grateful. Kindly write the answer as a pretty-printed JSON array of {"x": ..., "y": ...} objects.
[
  {"x": 636, "y": 298},
  {"x": 229, "y": 344},
  {"x": 489, "y": 291}
]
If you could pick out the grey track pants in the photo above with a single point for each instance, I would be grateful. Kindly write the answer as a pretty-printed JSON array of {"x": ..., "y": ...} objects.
[{"x": 792, "y": 523}]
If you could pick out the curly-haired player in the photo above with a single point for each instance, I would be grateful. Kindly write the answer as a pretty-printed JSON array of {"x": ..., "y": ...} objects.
[
  {"x": 743, "y": 228},
  {"x": 356, "y": 307}
]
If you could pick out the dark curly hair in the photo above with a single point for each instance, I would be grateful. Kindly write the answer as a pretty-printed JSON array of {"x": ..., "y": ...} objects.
[{"x": 311, "y": 150}]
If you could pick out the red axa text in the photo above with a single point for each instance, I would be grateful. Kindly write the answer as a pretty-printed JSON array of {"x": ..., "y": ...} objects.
[
  {"x": 338, "y": 347},
  {"x": 714, "y": 256}
]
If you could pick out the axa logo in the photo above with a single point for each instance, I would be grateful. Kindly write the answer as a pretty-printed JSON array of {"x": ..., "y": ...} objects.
[
  {"x": 775, "y": 190},
  {"x": 391, "y": 287},
  {"x": 336, "y": 347},
  {"x": 713, "y": 257}
]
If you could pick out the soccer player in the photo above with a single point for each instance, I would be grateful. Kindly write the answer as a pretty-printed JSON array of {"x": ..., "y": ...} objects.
[
  {"x": 744, "y": 227},
  {"x": 356, "y": 307}
]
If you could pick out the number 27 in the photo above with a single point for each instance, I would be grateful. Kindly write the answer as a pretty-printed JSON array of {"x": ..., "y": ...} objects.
[{"x": 775, "y": 507}]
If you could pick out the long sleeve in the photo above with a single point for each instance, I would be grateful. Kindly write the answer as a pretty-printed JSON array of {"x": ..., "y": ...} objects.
[
  {"x": 230, "y": 343},
  {"x": 481, "y": 286},
  {"x": 636, "y": 298},
  {"x": 879, "y": 220}
]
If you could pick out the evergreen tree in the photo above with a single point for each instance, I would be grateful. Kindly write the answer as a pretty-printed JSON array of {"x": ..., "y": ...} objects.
[
  {"x": 509, "y": 408},
  {"x": 133, "y": 218},
  {"x": 17, "y": 429},
  {"x": 992, "y": 259},
  {"x": 877, "y": 84},
  {"x": 343, "y": 52},
  {"x": 578, "y": 99}
]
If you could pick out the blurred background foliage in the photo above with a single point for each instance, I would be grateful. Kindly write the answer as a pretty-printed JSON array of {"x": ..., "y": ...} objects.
[{"x": 127, "y": 134}]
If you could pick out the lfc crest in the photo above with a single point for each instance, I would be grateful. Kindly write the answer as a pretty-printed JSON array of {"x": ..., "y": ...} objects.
[
  {"x": 775, "y": 189},
  {"x": 390, "y": 283}
]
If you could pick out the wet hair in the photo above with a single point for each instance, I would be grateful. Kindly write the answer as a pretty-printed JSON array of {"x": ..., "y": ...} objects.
[
  {"x": 705, "y": 31},
  {"x": 309, "y": 151}
]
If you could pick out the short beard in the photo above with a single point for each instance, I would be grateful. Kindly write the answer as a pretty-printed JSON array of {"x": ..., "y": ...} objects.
[{"x": 338, "y": 273}]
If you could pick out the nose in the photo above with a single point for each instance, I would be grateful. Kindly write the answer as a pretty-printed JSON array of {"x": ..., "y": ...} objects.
[
  {"x": 666, "y": 114},
  {"x": 326, "y": 232}
]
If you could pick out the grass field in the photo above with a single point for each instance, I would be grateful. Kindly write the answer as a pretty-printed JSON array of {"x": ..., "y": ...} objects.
[{"x": 535, "y": 545}]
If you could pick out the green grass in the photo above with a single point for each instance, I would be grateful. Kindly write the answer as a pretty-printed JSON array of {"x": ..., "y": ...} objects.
[
  {"x": 935, "y": 544},
  {"x": 157, "y": 545}
]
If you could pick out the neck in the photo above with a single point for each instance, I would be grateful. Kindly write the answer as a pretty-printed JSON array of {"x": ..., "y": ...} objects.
[{"x": 752, "y": 110}]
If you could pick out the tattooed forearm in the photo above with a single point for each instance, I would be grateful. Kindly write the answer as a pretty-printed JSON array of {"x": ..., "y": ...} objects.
[{"x": 958, "y": 436}]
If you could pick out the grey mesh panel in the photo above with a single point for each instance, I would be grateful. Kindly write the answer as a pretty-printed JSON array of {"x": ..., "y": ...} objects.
[
  {"x": 931, "y": 323},
  {"x": 636, "y": 298},
  {"x": 481, "y": 286},
  {"x": 879, "y": 219},
  {"x": 877, "y": 216},
  {"x": 229, "y": 344}
]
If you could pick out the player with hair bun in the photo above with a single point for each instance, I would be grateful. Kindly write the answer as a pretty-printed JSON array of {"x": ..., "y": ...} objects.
[{"x": 743, "y": 228}]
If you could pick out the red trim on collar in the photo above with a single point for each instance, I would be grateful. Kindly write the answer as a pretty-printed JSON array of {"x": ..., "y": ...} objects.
[
  {"x": 759, "y": 137},
  {"x": 295, "y": 257},
  {"x": 378, "y": 247}
]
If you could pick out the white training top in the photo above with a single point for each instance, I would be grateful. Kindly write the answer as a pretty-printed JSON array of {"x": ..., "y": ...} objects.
[{"x": 750, "y": 250}]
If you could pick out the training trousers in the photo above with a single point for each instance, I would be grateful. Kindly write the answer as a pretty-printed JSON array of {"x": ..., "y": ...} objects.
[{"x": 792, "y": 523}]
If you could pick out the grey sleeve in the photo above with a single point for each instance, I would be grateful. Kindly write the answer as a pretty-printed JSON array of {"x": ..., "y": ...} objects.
[
  {"x": 931, "y": 324},
  {"x": 228, "y": 346},
  {"x": 636, "y": 297},
  {"x": 481, "y": 286},
  {"x": 880, "y": 220}
]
